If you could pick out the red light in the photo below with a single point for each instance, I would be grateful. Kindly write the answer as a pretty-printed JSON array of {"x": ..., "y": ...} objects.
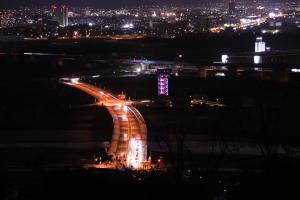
[{"x": 53, "y": 7}]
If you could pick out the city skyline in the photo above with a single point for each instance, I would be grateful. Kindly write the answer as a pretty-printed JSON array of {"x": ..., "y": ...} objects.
[
  {"x": 106, "y": 4},
  {"x": 112, "y": 3}
]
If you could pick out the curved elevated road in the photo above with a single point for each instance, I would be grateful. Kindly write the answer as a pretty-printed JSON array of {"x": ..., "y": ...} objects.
[{"x": 129, "y": 140}]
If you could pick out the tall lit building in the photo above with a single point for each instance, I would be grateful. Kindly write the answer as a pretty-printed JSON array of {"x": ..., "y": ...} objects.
[
  {"x": 232, "y": 6},
  {"x": 60, "y": 15},
  {"x": 163, "y": 85},
  {"x": 64, "y": 11},
  {"x": 260, "y": 45},
  {"x": 151, "y": 24}
]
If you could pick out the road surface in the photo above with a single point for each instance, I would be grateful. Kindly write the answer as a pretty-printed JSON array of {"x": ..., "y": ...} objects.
[{"x": 129, "y": 139}]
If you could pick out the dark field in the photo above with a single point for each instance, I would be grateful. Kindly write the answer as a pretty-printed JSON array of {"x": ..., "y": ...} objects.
[
  {"x": 248, "y": 149},
  {"x": 196, "y": 48}
]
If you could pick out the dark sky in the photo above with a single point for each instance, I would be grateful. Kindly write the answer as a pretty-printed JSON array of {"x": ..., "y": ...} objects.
[{"x": 97, "y": 3}]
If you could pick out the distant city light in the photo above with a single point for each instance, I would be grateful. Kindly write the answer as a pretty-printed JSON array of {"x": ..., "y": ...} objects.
[
  {"x": 75, "y": 34},
  {"x": 295, "y": 70},
  {"x": 220, "y": 74},
  {"x": 138, "y": 70},
  {"x": 272, "y": 15},
  {"x": 128, "y": 26},
  {"x": 125, "y": 108},
  {"x": 257, "y": 60},
  {"x": 258, "y": 69},
  {"x": 273, "y": 31},
  {"x": 260, "y": 8},
  {"x": 75, "y": 80},
  {"x": 224, "y": 58}
]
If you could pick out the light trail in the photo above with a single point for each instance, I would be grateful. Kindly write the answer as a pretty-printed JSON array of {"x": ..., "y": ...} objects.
[{"x": 129, "y": 140}]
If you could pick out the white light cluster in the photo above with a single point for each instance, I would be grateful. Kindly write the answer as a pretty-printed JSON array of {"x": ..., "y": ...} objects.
[
  {"x": 220, "y": 74},
  {"x": 295, "y": 70},
  {"x": 135, "y": 155},
  {"x": 257, "y": 60},
  {"x": 75, "y": 80},
  {"x": 125, "y": 108},
  {"x": 272, "y": 15},
  {"x": 128, "y": 26},
  {"x": 224, "y": 59}
]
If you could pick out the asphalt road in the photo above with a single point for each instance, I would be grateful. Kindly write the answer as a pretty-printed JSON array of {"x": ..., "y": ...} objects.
[{"x": 129, "y": 139}]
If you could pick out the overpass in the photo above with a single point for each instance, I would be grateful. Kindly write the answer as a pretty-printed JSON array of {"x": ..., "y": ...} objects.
[{"x": 129, "y": 140}]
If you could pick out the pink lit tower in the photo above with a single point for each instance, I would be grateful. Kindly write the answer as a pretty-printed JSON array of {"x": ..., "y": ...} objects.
[{"x": 163, "y": 84}]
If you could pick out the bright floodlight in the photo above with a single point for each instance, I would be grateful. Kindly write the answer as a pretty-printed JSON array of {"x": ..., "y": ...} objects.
[
  {"x": 125, "y": 108},
  {"x": 220, "y": 74},
  {"x": 257, "y": 59},
  {"x": 136, "y": 153},
  {"x": 128, "y": 26},
  {"x": 295, "y": 70},
  {"x": 124, "y": 118},
  {"x": 75, "y": 80},
  {"x": 224, "y": 59},
  {"x": 272, "y": 15},
  {"x": 138, "y": 70}
]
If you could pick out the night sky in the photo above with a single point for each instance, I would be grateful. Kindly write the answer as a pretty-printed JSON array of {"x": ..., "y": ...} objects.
[{"x": 98, "y": 3}]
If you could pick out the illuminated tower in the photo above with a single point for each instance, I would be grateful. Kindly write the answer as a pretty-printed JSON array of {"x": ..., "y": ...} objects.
[
  {"x": 163, "y": 85},
  {"x": 64, "y": 12},
  {"x": 60, "y": 15},
  {"x": 232, "y": 6}
]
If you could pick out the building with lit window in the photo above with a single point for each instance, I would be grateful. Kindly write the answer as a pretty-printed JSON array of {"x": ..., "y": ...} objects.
[
  {"x": 163, "y": 84},
  {"x": 60, "y": 15},
  {"x": 260, "y": 45}
]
